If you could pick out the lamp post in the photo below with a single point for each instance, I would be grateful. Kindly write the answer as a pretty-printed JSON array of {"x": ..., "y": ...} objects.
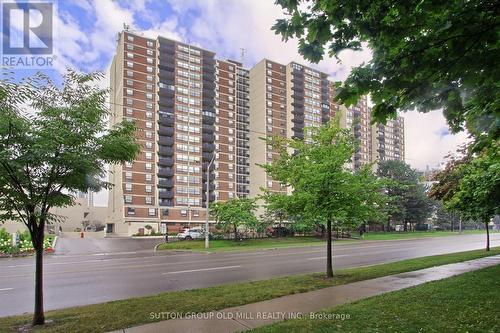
[{"x": 207, "y": 202}]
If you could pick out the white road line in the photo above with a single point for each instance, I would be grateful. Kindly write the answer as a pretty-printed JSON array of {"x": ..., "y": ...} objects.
[
  {"x": 201, "y": 270},
  {"x": 338, "y": 256},
  {"x": 6, "y": 289},
  {"x": 112, "y": 253}
]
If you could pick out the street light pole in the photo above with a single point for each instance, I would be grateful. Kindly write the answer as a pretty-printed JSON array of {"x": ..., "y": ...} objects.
[{"x": 207, "y": 202}]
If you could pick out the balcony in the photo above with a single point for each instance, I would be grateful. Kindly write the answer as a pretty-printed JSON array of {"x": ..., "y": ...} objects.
[
  {"x": 166, "y": 120},
  {"x": 166, "y": 141},
  {"x": 212, "y": 197},
  {"x": 208, "y": 147},
  {"x": 166, "y": 76},
  {"x": 164, "y": 101},
  {"x": 166, "y": 131},
  {"x": 204, "y": 177},
  {"x": 208, "y": 137},
  {"x": 210, "y": 129},
  {"x": 165, "y": 183},
  {"x": 165, "y": 172},
  {"x": 298, "y": 128},
  {"x": 298, "y": 135},
  {"x": 166, "y": 194},
  {"x": 165, "y": 162},
  {"x": 207, "y": 157},
  {"x": 166, "y": 151},
  {"x": 208, "y": 120},
  {"x": 208, "y": 102},
  {"x": 298, "y": 119},
  {"x": 208, "y": 85}
]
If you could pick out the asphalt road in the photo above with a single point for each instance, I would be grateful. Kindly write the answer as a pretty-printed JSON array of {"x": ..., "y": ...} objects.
[{"x": 95, "y": 271}]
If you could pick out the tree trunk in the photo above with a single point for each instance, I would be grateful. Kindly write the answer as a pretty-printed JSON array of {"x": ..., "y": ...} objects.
[
  {"x": 38, "y": 316},
  {"x": 487, "y": 235},
  {"x": 405, "y": 226},
  {"x": 389, "y": 224},
  {"x": 235, "y": 232},
  {"x": 329, "y": 264}
]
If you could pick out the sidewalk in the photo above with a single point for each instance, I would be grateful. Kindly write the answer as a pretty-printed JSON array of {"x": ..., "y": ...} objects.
[{"x": 253, "y": 315}]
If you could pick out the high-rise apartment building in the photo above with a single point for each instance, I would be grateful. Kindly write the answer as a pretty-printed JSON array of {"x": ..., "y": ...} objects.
[
  {"x": 388, "y": 141},
  {"x": 285, "y": 99},
  {"x": 190, "y": 109}
]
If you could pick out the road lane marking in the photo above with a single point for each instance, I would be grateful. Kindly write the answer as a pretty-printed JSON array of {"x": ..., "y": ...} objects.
[
  {"x": 6, "y": 289},
  {"x": 335, "y": 256},
  {"x": 112, "y": 253},
  {"x": 202, "y": 270}
]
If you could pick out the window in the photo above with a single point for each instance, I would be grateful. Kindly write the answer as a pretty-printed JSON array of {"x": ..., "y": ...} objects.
[
  {"x": 130, "y": 38},
  {"x": 149, "y": 69},
  {"x": 149, "y": 145},
  {"x": 151, "y": 211},
  {"x": 130, "y": 55},
  {"x": 149, "y": 52},
  {"x": 149, "y": 166},
  {"x": 149, "y": 43},
  {"x": 130, "y": 47},
  {"x": 149, "y": 188},
  {"x": 128, "y": 199},
  {"x": 130, "y": 92},
  {"x": 130, "y": 211},
  {"x": 149, "y": 135},
  {"x": 149, "y": 200},
  {"x": 128, "y": 164},
  {"x": 130, "y": 82},
  {"x": 128, "y": 187},
  {"x": 128, "y": 175},
  {"x": 130, "y": 73},
  {"x": 149, "y": 177},
  {"x": 130, "y": 64},
  {"x": 149, "y": 155},
  {"x": 129, "y": 111},
  {"x": 149, "y": 77},
  {"x": 149, "y": 124},
  {"x": 149, "y": 114}
]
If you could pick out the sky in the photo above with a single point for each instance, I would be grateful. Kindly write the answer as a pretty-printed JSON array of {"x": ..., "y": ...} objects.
[{"x": 86, "y": 30}]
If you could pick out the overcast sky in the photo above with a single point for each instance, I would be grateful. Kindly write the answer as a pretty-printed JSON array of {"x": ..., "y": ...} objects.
[{"x": 86, "y": 39}]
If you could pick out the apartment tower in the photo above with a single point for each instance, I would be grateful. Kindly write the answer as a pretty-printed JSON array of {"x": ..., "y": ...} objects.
[{"x": 190, "y": 109}]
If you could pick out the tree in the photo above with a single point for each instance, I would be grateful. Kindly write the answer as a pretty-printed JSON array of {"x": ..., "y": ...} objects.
[
  {"x": 275, "y": 208},
  {"x": 444, "y": 218},
  {"x": 234, "y": 213},
  {"x": 323, "y": 188},
  {"x": 470, "y": 186},
  {"x": 54, "y": 142},
  {"x": 427, "y": 55},
  {"x": 407, "y": 201}
]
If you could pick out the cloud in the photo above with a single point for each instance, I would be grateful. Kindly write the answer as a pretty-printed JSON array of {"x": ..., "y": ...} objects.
[{"x": 428, "y": 139}]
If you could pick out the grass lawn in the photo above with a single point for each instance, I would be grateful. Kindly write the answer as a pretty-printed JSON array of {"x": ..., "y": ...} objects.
[
  {"x": 417, "y": 234},
  {"x": 247, "y": 244},
  {"x": 465, "y": 303},
  {"x": 270, "y": 243},
  {"x": 114, "y": 315}
]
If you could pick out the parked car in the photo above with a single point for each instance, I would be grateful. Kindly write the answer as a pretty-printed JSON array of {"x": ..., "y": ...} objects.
[{"x": 189, "y": 234}]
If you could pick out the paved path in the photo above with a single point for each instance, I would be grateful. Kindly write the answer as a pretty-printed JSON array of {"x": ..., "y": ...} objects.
[
  {"x": 253, "y": 315},
  {"x": 103, "y": 270}
]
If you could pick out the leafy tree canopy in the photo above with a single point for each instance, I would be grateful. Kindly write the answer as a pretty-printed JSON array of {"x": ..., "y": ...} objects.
[
  {"x": 426, "y": 55},
  {"x": 234, "y": 213}
]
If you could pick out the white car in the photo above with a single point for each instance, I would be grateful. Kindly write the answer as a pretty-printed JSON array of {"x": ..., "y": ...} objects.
[{"x": 191, "y": 234}]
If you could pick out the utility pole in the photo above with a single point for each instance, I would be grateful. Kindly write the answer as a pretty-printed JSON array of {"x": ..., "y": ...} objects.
[{"x": 207, "y": 202}]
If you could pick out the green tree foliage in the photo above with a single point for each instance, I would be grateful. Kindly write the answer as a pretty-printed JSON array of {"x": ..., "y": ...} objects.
[
  {"x": 324, "y": 189},
  {"x": 444, "y": 218},
  {"x": 54, "y": 141},
  {"x": 427, "y": 55},
  {"x": 235, "y": 213},
  {"x": 276, "y": 208},
  {"x": 407, "y": 200},
  {"x": 470, "y": 186}
]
